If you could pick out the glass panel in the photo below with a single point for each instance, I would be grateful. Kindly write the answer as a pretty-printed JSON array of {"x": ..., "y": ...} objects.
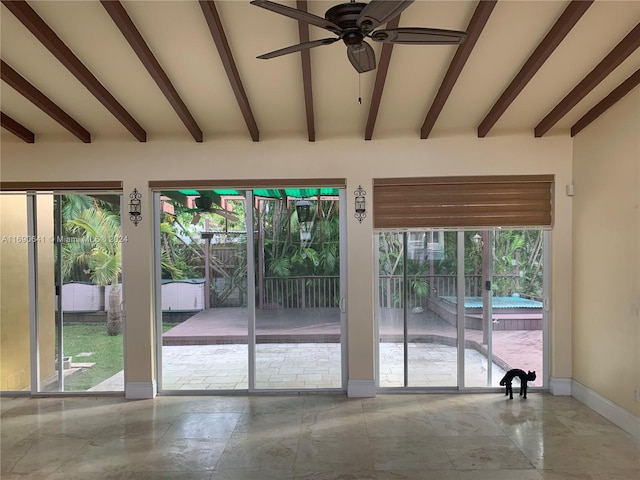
[
  {"x": 80, "y": 297},
  {"x": 298, "y": 328},
  {"x": 503, "y": 305},
  {"x": 14, "y": 290},
  {"x": 391, "y": 309},
  {"x": 517, "y": 286},
  {"x": 203, "y": 293},
  {"x": 417, "y": 326}
]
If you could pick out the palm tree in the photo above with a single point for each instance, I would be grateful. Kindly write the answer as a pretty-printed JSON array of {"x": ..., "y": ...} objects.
[{"x": 95, "y": 244}]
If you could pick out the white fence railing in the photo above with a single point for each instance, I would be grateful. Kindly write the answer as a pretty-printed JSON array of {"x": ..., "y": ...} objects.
[{"x": 290, "y": 292}]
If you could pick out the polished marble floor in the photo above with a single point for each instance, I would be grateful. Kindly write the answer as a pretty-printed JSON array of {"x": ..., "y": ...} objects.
[{"x": 312, "y": 437}]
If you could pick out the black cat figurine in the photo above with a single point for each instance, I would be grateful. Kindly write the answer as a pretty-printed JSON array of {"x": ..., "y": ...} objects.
[{"x": 524, "y": 378}]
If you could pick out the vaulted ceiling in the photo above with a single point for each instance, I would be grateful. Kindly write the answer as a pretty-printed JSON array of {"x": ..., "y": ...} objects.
[{"x": 89, "y": 70}]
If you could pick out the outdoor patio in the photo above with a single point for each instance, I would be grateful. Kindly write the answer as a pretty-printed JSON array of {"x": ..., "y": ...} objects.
[{"x": 209, "y": 352}]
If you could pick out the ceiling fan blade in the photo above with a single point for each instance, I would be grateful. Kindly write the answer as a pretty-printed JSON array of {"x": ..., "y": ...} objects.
[
  {"x": 298, "y": 15},
  {"x": 195, "y": 219},
  {"x": 419, "y": 36},
  {"x": 223, "y": 213},
  {"x": 378, "y": 12},
  {"x": 362, "y": 57},
  {"x": 298, "y": 47}
]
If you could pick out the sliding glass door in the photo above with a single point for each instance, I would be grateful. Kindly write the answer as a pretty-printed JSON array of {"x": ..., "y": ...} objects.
[
  {"x": 418, "y": 342},
  {"x": 80, "y": 333},
  {"x": 201, "y": 245},
  {"x": 298, "y": 327},
  {"x": 459, "y": 308},
  {"x": 504, "y": 299},
  {"x": 61, "y": 323},
  {"x": 249, "y": 289}
]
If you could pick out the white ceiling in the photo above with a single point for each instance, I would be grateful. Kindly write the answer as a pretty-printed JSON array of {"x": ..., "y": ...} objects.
[{"x": 179, "y": 37}]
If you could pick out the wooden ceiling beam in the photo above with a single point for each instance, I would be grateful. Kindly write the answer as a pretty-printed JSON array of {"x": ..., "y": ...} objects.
[
  {"x": 19, "y": 130},
  {"x": 305, "y": 57},
  {"x": 608, "y": 64},
  {"x": 381, "y": 77},
  {"x": 543, "y": 51},
  {"x": 217, "y": 32},
  {"x": 57, "y": 47},
  {"x": 476, "y": 25},
  {"x": 618, "y": 93},
  {"x": 40, "y": 100},
  {"x": 119, "y": 15}
]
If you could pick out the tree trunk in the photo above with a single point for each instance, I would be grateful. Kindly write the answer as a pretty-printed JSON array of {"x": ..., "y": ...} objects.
[{"x": 114, "y": 315}]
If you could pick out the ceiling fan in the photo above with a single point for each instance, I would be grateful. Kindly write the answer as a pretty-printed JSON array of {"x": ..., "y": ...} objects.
[
  {"x": 353, "y": 22},
  {"x": 205, "y": 204}
]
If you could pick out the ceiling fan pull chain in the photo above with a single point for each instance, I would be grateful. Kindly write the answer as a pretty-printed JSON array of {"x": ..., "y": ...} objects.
[{"x": 359, "y": 94}]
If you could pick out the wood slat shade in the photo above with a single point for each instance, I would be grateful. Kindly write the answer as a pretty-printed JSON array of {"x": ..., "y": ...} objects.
[
  {"x": 450, "y": 202},
  {"x": 70, "y": 186}
]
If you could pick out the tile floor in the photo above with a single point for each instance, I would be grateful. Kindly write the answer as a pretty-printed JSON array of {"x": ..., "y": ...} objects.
[{"x": 312, "y": 437}]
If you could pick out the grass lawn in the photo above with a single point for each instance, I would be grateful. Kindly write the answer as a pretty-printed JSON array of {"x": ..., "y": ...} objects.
[{"x": 89, "y": 343}]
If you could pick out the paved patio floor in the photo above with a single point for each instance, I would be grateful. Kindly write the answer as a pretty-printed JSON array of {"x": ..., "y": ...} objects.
[
  {"x": 307, "y": 366},
  {"x": 208, "y": 352}
]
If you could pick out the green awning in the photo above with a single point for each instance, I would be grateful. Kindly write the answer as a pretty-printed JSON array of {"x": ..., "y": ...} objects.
[{"x": 270, "y": 193}]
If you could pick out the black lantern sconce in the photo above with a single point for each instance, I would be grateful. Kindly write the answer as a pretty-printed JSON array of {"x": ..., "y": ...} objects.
[
  {"x": 477, "y": 240},
  {"x": 303, "y": 209},
  {"x": 135, "y": 213},
  {"x": 361, "y": 204}
]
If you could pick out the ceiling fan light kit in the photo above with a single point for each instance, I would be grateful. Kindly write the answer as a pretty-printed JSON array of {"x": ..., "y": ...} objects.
[{"x": 353, "y": 22}]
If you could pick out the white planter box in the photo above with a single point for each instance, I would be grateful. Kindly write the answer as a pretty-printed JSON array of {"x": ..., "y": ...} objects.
[{"x": 82, "y": 297}]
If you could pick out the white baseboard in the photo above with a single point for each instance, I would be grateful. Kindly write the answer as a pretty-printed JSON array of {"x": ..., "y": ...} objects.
[
  {"x": 609, "y": 410},
  {"x": 140, "y": 390},
  {"x": 560, "y": 386},
  {"x": 361, "y": 388}
]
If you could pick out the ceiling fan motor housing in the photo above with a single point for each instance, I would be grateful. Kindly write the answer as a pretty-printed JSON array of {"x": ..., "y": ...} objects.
[
  {"x": 345, "y": 16},
  {"x": 204, "y": 203}
]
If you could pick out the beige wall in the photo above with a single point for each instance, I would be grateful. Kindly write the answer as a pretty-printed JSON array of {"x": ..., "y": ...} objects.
[
  {"x": 354, "y": 159},
  {"x": 606, "y": 247}
]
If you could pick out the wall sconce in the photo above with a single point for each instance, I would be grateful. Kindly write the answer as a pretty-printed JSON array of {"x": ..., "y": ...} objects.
[
  {"x": 135, "y": 213},
  {"x": 477, "y": 240},
  {"x": 361, "y": 204},
  {"x": 303, "y": 208}
]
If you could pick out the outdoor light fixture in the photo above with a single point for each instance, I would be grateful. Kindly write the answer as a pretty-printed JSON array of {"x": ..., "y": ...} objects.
[
  {"x": 303, "y": 208},
  {"x": 477, "y": 239},
  {"x": 361, "y": 204},
  {"x": 135, "y": 213}
]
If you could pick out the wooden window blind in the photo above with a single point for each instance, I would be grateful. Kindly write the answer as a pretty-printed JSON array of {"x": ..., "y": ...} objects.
[
  {"x": 465, "y": 201},
  {"x": 94, "y": 186}
]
